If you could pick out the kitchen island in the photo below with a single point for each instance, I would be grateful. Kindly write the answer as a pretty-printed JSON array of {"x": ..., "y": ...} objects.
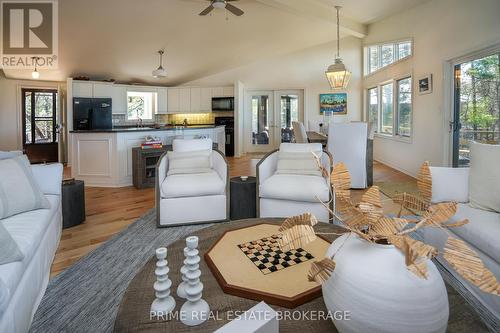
[{"x": 103, "y": 158}]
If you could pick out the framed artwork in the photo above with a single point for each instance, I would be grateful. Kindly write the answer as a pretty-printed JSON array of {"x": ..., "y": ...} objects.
[
  {"x": 333, "y": 103},
  {"x": 425, "y": 84}
]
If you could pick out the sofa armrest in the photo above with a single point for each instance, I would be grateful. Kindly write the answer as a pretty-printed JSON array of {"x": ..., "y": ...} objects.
[
  {"x": 49, "y": 177},
  {"x": 220, "y": 165},
  {"x": 450, "y": 184},
  {"x": 267, "y": 166}
]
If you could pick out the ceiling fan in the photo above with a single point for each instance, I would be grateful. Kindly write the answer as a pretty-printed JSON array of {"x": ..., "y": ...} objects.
[{"x": 219, "y": 4}]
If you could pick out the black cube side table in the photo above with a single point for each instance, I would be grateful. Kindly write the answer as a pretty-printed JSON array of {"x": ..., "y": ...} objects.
[
  {"x": 73, "y": 203},
  {"x": 243, "y": 198}
]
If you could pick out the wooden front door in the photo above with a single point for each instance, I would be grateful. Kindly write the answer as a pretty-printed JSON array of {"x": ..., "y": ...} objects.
[{"x": 40, "y": 137}]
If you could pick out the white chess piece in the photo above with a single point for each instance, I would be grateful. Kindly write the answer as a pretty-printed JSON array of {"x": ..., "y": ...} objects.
[
  {"x": 164, "y": 303},
  {"x": 195, "y": 310},
  {"x": 181, "y": 289}
]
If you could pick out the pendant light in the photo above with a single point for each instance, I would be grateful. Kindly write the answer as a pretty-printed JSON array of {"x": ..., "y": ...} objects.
[
  {"x": 160, "y": 72},
  {"x": 35, "y": 74},
  {"x": 338, "y": 76}
]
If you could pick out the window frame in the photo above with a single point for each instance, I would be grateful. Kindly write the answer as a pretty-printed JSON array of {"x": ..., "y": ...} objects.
[
  {"x": 395, "y": 49},
  {"x": 395, "y": 115}
]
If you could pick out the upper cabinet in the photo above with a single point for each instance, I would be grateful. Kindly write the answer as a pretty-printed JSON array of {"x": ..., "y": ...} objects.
[
  {"x": 118, "y": 95},
  {"x": 83, "y": 89},
  {"x": 162, "y": 101},
  {"x": 173, "y": 100},
  {"x": 195, "y": 104},
  {"x": 206, "y": 100},
  {"x": 228, "y": 91},
  {"x": 217, "y": 92},
  {"x": 185, "y": 99}
]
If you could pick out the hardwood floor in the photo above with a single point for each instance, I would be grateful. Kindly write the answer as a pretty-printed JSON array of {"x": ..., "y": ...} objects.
[{"x": 110, "y": 210}]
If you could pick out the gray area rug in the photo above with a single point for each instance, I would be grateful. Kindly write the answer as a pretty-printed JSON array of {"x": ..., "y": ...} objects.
[{"x": 86, "y": 296}]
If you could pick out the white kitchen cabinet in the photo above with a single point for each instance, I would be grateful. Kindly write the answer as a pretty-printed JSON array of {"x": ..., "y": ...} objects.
[
  {"x": 185, "y": 99},
  {"x": 173, "y": 100},
  {"x": 217, "y": 92},
  {"x": 83, "y": 89},
  {"x": 195, "y": 100},
  {"x": 118, "y": 95},
  {"x": 206, "y": 99},
  {"x": 228, "y": 91},
  {"x": 162, "y": 94}
]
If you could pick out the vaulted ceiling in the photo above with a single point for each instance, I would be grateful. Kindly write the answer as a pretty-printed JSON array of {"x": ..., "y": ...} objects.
[{"x": 118, "y": 39}]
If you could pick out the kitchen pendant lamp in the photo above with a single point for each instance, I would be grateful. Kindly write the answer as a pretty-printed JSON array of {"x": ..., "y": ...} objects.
[
  {"x": 35, "y": 74},
  {"x": 337, "y": 74},
  {"x": 160, "y": 72}
]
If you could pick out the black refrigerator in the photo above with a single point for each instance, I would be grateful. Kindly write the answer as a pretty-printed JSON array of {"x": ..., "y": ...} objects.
[{"x": 92, "y": 113}]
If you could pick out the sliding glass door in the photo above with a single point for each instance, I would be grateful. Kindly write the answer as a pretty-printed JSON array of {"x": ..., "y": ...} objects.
[{"x": 476, "y": 105}]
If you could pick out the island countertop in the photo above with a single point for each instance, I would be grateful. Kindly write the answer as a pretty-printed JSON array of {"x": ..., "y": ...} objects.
[{"x": 122, "y": 129}]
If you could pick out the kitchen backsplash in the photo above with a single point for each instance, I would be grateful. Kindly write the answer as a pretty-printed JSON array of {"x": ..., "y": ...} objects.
[{"x": 193, "y": 118}]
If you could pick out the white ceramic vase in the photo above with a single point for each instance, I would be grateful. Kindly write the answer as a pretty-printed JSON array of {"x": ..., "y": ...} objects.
[{"x": 371, "y": 282}]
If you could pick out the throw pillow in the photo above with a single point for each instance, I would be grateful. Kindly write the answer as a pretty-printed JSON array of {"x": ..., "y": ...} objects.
[
  {"x": 19, "y": 191},
  {"x": 9, "y": 251},
  {"x": 484, "y": 180},
  {"x": 297, "y": 164},
  {"x": 189, "y": 162},
  {"x": 10, "y": 154}
]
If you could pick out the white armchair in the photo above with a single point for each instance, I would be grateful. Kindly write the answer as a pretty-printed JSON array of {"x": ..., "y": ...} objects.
[
  {"x": 195, "y": 197},
  {"x": 287, "y": 194},
  {"x": 347, "y": 142}
]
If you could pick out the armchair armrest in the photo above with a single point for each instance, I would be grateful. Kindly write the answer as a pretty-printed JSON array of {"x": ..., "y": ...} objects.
[
  {"x": 220, "y": 165},
  {"x": 161, "y": 170},
  {"x": 450, "y": 184},
  {"x": 267, "y": 167},
  {"x": 48, "y": 177}
]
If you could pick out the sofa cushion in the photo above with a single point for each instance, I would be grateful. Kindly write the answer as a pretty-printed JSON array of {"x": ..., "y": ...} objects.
[
  {"x": 19, "y": 191},
  {"x": 199, "y": 161},
  {"x": 192, "y": 185},
  {"x": 27, "y": 229},
  {"x": 485, "y": 176},
  {"x": 317, "y": 148},
  {"x": 183, "y": 145},
  {"x": 9, "y": 251},
  {"x": 450, "y": 184},
  {"x": 482, "y": 230},
  {"x": 295, "y": 187},
  {"x": 297, "y": 164}
]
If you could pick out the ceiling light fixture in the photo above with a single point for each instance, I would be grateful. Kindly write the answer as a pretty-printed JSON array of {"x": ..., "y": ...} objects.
[
  {"x": 35, "y": 74},
  {"x": 337, "y": 74},
  {"x": 160, "y": 72}
]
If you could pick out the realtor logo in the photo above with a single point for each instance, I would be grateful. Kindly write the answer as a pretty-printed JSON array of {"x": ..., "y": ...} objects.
[{"x": 28, "y": 32}]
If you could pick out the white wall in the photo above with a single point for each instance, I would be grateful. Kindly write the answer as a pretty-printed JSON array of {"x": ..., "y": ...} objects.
[
  {"x": 304, "y": 69},
  {"x": 442, "y": 30},
  {"x": 11, "y": 112}
]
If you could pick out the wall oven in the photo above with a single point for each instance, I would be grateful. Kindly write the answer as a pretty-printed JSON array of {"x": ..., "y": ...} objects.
[{"x": 223, "y": 104}]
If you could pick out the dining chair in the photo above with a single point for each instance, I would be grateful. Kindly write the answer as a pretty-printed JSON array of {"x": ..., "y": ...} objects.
[{"x": 299, "y": 131}]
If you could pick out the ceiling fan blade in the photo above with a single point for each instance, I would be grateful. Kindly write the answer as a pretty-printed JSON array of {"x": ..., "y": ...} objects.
[
  {"x": 206, "y": 11},
  {"x": 235, "y": 10}
]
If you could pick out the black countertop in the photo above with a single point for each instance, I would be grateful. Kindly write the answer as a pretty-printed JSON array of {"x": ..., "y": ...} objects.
[{"x": 146, "y": 129}]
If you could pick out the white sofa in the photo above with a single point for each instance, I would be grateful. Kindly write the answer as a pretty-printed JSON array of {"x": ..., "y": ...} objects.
[
  {"x": 37, "y": 235},
  {"x": 482, "y": 232},
  {"x": 196, "y": 197},
  {"x": 285, "y": 195}
]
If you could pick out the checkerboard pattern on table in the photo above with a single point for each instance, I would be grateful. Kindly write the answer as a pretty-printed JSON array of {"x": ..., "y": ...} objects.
[{"x": 265, "y": 253}]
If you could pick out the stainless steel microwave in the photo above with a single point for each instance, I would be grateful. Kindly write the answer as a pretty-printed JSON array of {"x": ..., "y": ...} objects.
[{"x": 223, "y": 104}]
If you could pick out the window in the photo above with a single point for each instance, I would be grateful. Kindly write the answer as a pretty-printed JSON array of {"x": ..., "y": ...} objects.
[
  {"x": 404, "y": 107},
  {"x": 382, "y": 55},
  {"x": 389, "y": 108},
  {"x": 373, "y": 107},
  {"x": 140, "y": 105},
  {"x": 386, "y": 122}
]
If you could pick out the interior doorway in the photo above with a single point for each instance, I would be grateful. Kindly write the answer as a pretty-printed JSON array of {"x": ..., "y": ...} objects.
[
  {"x": 476, "y": 112},
  {"x": 268, "y": 118},
  {"x": 40, "y": 125}
]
